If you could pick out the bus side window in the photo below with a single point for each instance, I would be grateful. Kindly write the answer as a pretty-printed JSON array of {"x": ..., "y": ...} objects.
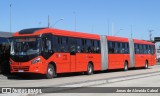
[
  {"x": 126, "y": 48},
  {"x": 116, "y": 47},
  {"x": 55, "y": 44},
  {"x": 72, "y": 46},
  {"x": 92, "y": 46},
  {"x": 152, "y": 49},
  {"x": 136, "y": 48},
  {"x": 140, "y": 48},
  {"x": 84, "y": 46},
  {"x": 88, "y": 43},
  {"x": 79, "y": 46},
  {"x": 99, "y": 47},
  {"x": 49, "y": 44},
  {"x": 64, "y": 45},
  {"x": 145, "y": 49},
  {"x": 96, "y": 46},
  {"x": 123, "y": 48},
  {"x": 149, "y": 49},
  {"x": 111, "y": 48}
]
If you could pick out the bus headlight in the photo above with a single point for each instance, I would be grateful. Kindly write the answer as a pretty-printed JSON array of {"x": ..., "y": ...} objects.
[{"x": 36, "y": 60}]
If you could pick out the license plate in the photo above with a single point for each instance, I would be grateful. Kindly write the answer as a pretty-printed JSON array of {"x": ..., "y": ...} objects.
[{"x": 20, "y": 71}]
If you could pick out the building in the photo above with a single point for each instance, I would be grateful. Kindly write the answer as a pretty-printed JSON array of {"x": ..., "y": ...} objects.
[
  {"x": 157, "y": 43},
  {"x": 5, "y": 34}
]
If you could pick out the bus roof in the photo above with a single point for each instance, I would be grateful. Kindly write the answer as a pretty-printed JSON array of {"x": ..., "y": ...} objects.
[
  {"x": 142, "y": 42},
  {"x": 114, "y": 38},
  {"x": 40, "y": 31},
  {"x": 122, "y": 39}
]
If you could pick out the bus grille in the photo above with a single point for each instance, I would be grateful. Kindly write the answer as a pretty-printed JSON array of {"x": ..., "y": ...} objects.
[{"x": 24, "y": 68}]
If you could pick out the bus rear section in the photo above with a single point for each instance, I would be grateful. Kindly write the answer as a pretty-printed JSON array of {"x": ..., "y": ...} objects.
[
  {"x": 129, "y": 53},
  {"x": 144, "y": 53}
]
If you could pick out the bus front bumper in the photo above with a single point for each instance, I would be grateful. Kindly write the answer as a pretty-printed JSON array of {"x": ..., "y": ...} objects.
[{"x": 32, "y": 68}]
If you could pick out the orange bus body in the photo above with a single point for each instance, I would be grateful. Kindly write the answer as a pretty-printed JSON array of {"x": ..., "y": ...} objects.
[
  {"x": 141, "y": 58},
  {"x": 116, "y": 61},
  {"x": 65, "y": 62}
]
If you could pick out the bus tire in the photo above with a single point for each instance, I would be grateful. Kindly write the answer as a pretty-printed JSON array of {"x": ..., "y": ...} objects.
[
  {"x": 50, "y": 72},
  {"x": 125, "y": 66},
  {"x": 146, "y": 65},
  {"x": 90, "y": 69}
]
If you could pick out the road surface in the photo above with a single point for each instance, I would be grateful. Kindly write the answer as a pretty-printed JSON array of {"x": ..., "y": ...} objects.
[
  {"x": 132, "y": 78},
  {"x": 70, "y": 79},
  {"x": 147, "y": 82}
]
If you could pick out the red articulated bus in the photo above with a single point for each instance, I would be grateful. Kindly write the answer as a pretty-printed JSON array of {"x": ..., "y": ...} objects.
[{"x": 52, "y": 51}]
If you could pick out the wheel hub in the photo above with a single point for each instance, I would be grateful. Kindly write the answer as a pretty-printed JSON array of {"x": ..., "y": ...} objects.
[
  {"x": 50, "y": 71},
  {"x": 90, "y": 69}
]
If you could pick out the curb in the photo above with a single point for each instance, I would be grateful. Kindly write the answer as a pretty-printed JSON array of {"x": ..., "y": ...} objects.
[
  {"x": 107, "y": 80},
  {"x": 69, "y": 86}
]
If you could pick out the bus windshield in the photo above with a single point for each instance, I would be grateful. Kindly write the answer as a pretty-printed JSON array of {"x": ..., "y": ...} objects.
[{"x": 25, "y": 46}]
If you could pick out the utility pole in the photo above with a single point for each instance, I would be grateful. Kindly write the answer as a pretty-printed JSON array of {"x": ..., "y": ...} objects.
[
  {"x": 48, "y": 21},
  {"x": 150, "y": 34},
  {"x": 92, "y": 29},
  {"x": 108, "y": 27},
  {"x": 10, "y": 18},
  {"x": 112, "y": 28},
  {"x": 75, "y": 21},
  {"x": 131, "y": 32}
]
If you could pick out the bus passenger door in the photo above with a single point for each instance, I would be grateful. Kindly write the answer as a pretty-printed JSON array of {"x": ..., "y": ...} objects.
[
  {"x": 47, "y": 46},
  {"x": 72, "y": 48}
]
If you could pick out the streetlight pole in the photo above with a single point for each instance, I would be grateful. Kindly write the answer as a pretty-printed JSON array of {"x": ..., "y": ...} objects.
[
  {"x": 75, "y": 21},
  {"x": 108, "y": 27},
  {"x": 48, "y": 21},
  {"x": 92, "y": 29},
  {"x": 131, "y": 32},
  {"x": 10, "y": 18},
  {"x": 112, "y": 29},
  {"x": 57, "y": 22},
  {"x": 118, "y": 32}
]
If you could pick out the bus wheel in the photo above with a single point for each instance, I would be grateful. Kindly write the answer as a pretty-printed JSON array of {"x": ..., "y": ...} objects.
[
  {"x": 50, "y": 72},
  {"x": 90, "y": 69},
  {"x": 146, "y": 65},
  {"x": 125, "y": 66}
]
